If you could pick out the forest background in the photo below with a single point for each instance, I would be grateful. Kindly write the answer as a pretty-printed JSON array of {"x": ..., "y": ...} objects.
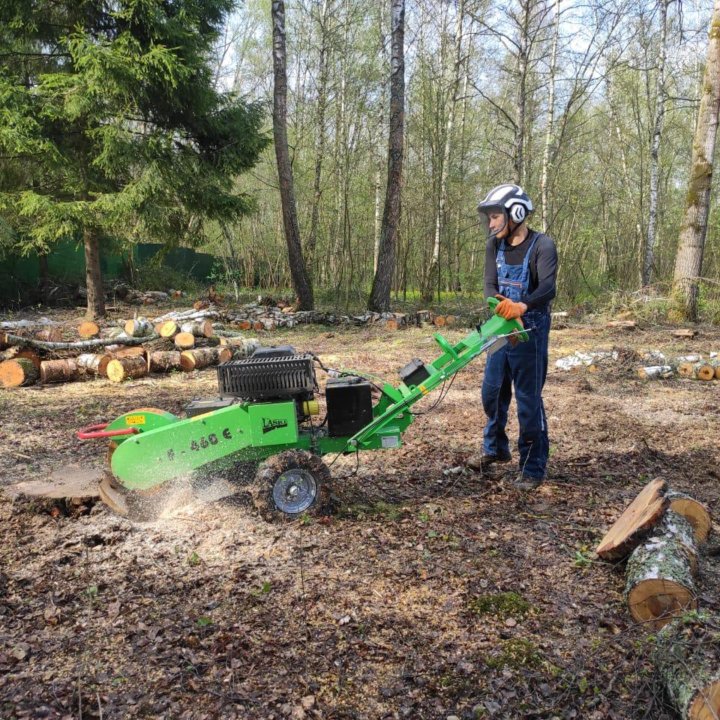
[{"x": 591, "y": 106}]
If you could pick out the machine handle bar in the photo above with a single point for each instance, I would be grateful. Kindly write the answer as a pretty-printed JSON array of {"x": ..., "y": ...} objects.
[{"x": 92, "y": 432}]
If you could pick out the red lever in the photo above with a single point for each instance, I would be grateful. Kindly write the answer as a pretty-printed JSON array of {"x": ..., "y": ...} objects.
[{"x": 92, "y": 432}]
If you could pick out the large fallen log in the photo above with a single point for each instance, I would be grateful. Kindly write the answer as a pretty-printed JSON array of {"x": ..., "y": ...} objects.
[
  {"x": 17, "y": 372},
  {"x": 687, "y": 660},
  {"x": 57, "y": 371},
  {"x": 660, "y": 573},
  {"x": 18, "y": 340}
]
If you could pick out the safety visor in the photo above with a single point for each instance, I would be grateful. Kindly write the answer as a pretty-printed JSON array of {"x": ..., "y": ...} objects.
[{"x": 492, "y": 220}]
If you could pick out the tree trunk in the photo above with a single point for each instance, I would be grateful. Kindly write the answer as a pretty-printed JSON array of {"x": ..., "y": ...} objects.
[
  {"x": 440, "y": 214},
  {"x": 298, "y": 271},
  {"x": 550, "y": 127},
  {"x": 379, "y": 300},
  {"x": 688, "y": 262},
  {"x": 521, "y": 96},
  {"x": 93, "y": 276},
  {"x": 320, "y": 140},
  {"x": 649, "y": 256}
]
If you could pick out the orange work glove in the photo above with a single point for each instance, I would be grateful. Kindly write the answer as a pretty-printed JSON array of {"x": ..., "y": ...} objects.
[{"x": 508, "y": 309}]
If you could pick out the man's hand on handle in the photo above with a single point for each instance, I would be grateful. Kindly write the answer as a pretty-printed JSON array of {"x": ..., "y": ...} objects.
[{"x": 509, "y": 309}]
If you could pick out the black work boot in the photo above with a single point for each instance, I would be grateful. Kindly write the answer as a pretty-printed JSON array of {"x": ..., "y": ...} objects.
[{"x": 482, "y": 462}]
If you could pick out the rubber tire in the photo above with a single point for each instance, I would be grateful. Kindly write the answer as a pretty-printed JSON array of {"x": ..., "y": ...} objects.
[{"x": 268, "y": 474}]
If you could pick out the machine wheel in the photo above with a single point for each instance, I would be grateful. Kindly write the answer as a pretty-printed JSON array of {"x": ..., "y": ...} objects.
[{"x": 292, "y": 484}]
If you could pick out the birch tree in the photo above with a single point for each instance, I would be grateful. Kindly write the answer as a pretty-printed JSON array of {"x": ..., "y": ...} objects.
[
  {"x": 689, "y": 259},
  {"x": 298, "y": 272},
  {"x": 379, "y": 300}
]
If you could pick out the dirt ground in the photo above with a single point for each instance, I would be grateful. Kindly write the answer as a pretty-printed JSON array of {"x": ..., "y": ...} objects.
[{"x": 434, "y": 592}]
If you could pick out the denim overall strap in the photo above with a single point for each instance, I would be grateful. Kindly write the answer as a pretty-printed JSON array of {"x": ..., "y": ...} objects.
[{"x": 514, "y": 280}]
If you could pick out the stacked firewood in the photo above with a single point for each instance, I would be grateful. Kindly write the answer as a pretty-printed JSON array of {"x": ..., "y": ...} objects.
[
  {"x": 661, "y": 533},
  {"x": 132, "y": 351}
]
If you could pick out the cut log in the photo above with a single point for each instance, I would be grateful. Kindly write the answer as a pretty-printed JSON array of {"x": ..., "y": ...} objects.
[
  {"x": 391, "y": 324},
  {"x": 133, "y": 351},
  {"x": 139, "y": 327},
  {"x": 3, "y": 340},
  {"x": 197, "y": 358},
  {"x": 245, "y": 325},
  {"x": 198, "y": 328},
  {"x": 684, "y": 333},
  {"x": 224, "y": 354},
  {"x": 17, "y": 372},
  {"x": 125, "y": 368},
  {"x": 184, "y": 341},
  {"x": 705, "y": 371},
  {"x": 694, "y": 512},
  {"x": 637, "y": 519},
  {"x": 53, "y": 334},
  {"x": 450, "y": 320},
  {"x": 167, "y": 329},
  {"x": 164, "y": 361},
  {"x": 439, "y": 321},
  {"x": 57, "y": 371},
  {"x": 687, "y": 660},
  {"x": 655, "y": 372},
  {"x": 93, "y": 364},
  {"x": 29, "y": 354},
  {"x": 88, "y": 329},
  {"x": 241, "y": 346},
  {"x": 660, "y": 583}
]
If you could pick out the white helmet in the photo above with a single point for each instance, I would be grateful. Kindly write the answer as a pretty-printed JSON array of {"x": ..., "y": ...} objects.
[{"x": 510, "y": 199}]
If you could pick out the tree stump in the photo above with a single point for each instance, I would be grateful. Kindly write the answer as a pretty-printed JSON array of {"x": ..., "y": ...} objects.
[
  {"x": 164, "y": 361},
  {"x": 57, "y": 371},
  {"x": 17, "y": 372},
  {"x": 125, "y": 368},
  {"x": 197, "y": 358},
  {"x": 637, "y": 519},
  {"x": 660, "y": 573},
  {"x": 184, "y": 341},
  {"x": 687, "y": 660}
]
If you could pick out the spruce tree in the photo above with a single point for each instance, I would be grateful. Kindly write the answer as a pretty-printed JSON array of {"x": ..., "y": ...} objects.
[{"x": 110, "y": 125}]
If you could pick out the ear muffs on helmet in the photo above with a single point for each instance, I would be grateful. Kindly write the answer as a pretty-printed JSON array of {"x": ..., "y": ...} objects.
[{"x": 518, "y": 213}]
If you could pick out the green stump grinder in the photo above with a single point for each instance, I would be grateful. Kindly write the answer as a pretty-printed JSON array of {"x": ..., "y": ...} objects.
[{"x": 264, "y": 415}]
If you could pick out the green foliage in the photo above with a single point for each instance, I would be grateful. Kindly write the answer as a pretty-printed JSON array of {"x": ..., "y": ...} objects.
[
  {"x": 516, "y": 653},
  {"x": 110, "y": 120},
  {"x": 193, "y": 559},
  {"x": 500, "y": 605}
]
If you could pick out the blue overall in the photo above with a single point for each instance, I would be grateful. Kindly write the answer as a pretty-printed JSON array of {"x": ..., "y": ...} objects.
[{"x": 524, "y": 367}]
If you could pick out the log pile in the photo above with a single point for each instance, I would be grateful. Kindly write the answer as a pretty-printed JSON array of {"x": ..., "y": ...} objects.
[
  {"x": 128, "y": 352},
  {"x": 652, "y": 365},
  {"x": 660, "y": 533}
]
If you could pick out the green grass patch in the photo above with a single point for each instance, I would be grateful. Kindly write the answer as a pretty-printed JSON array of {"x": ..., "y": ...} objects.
[{"x": 500, "y": 605}]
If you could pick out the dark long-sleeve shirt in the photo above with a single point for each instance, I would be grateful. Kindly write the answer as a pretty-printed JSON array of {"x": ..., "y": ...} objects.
[{"x": 543, "y": 268}]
